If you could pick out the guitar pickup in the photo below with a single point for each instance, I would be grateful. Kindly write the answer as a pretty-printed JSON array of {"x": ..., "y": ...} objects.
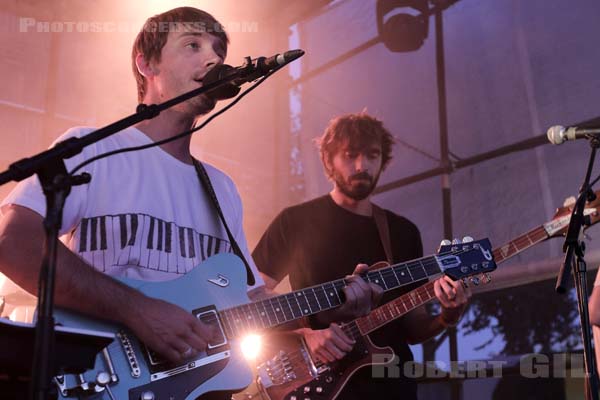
[{"x": 211, "y": 319}]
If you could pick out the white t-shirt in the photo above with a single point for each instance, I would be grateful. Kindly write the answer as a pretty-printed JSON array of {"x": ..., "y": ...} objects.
[{"x": 144, "y": 214}]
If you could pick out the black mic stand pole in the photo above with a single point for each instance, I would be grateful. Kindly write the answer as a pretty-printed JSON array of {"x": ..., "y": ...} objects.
[
  {"x": 574, "y": 246},
  {"x": 56, "y": 183}
]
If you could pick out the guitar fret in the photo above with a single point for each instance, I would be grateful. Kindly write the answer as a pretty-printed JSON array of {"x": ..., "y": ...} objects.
[
  {"x": 403, "y": 306},
  {"x": 419, "y": 295},
  {"x": 521, "y": 243},
  {"x": 379, "y": 280},
  {"x": 305, "y": 308},
  {"x": 332, "y": 295},
  {"x": 286, "y": 308},
  {"x": 316, "y": 299},
  {"x": 404, "y": 278},
  {"x": 229, "y": 332},
  {"x": 396, "y": 308},
  {"x": 231, "y": 320},
  {"x": 271, "y": 311},
  {"x": 528, "y": 238},
  {"x": 431, "y": 266},
  {"x": 258, "y": 317},
  {"x": 254, "y": 316},
  {"x": 265, "y": 313},
  {"x": 410, "y": 274},
  {"x": 323, "y": 293},
  {"x": 276, "y": 309},
  {"x": 390, "y": 279},
  {"x": 419, "y": 273},
  {"x": 248, "y": 318},
  {"x": 239, "y": 321},
  {"x": 311, "y": 300},
  {"x": 294, "y": 305},
  {"x": 396, "y": 277}
]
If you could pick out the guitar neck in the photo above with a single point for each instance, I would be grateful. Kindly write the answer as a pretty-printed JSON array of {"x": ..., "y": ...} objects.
[
  {"x": 423, "y": 294},
  {"x": 519, "y": 244},
  {"x": 278, "y": 310}
]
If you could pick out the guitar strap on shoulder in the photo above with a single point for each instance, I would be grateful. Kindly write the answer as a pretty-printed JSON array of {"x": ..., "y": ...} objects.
[
  {"x": 206, "y": 184},
  {"x": 384, "y": 231}
]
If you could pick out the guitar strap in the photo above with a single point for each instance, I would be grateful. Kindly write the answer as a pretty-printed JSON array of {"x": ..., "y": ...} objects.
[
  {"x": 207, "y": 185},
  {"x": 384, "y": 231}
]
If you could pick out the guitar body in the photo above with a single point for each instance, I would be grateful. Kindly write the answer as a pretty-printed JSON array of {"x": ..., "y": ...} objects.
[
  {"x": 304, "y": 378},
  {"x": 218, "y": 283},
  {"x": 215, "y": 292}
]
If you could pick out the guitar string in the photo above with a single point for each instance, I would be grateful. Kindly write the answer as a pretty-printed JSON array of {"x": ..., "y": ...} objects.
[
  {"x": 407, "y": 303},
  {"x": 235, "y": 324},
  {"x": 517, "y": 243},
  {"x": 407, "y": 265},
  {"x": 354, "y": 330},
  {"x": 353, "y": 327}
]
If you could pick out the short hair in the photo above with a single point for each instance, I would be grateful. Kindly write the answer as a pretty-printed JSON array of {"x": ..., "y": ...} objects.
[
  {"x": 155, "y": 32},
  {"x": 359, "y": 130}
]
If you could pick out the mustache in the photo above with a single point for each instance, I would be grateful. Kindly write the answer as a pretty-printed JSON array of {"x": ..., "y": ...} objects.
[{"x": 360, "y": 176}]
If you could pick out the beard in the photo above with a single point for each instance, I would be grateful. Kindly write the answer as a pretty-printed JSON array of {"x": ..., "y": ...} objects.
[{"x": 357, "y": 187}]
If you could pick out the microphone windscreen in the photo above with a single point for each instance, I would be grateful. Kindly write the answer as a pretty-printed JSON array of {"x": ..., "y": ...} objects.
[
  {"x": 556, "y": 134},
  {"x": 222, "y": 92}
]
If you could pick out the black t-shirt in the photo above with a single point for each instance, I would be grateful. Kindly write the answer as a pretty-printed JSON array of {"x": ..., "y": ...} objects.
[{"x": 319, "y": 241}]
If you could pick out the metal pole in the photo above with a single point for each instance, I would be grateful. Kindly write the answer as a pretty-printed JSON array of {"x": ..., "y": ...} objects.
[{"x": 445, "y": 164}]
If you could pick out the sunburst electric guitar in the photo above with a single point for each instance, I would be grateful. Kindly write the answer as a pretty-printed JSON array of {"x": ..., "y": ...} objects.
[{"x": 292, "y": 373}]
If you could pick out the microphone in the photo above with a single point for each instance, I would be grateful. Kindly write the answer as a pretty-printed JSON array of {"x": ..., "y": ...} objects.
[
  {"x": 559, "y": 134},
  {"x": 250, "y": 71}
]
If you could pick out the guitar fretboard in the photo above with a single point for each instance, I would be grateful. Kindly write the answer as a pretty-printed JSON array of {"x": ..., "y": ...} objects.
[
  {"x": 301, "y": 303},
  {"x": 421, "y": 295},
  {"x": 519, "y": 244}
]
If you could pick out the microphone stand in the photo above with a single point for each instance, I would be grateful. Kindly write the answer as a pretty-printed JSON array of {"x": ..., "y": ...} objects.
[
  {"x": 56, "y": 183},
  {"x": 574, "y": 246}
]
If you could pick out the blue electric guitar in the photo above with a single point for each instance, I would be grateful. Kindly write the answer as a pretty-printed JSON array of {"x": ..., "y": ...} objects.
[{"x": 215, "y": 292}]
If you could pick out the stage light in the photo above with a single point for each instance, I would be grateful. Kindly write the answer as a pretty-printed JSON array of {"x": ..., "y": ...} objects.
[
  {"x": 251, "y": 346},
  {"x": 403, "y": 25}
]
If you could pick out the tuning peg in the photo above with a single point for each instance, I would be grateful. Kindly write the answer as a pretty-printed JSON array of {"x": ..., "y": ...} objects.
[
  {"x": 475, "y": 281},
  {"x": 445, "y": 242},
  {"x": 487, "y": 278},
  {"x": 456, "y": 241},
  {"x": 465, "y": 282},
  {"x": 569, "y": 201},
  {"x": 467, "y": 239}
]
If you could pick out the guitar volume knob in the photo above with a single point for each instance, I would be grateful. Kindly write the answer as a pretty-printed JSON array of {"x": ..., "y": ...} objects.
[{"x": 147, "y": 395}]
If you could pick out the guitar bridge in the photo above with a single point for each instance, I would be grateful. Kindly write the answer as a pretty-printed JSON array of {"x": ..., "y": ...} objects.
[{"x": 315, "y": 368}]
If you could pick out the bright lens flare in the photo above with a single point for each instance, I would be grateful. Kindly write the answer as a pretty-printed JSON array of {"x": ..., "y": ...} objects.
[{"x": 251, "y": 346}]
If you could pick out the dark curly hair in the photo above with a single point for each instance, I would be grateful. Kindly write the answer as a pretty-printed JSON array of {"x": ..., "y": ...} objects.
[{"x": 359, "y": 130}]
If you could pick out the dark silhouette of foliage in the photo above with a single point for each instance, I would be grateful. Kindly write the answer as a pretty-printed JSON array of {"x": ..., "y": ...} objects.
[{"x": 529, "y": 318}]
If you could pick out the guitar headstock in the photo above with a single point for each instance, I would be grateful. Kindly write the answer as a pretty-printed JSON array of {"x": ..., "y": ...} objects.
[
  {"x": 460, "y": 260},
  {"x": 559, "y": 224}
]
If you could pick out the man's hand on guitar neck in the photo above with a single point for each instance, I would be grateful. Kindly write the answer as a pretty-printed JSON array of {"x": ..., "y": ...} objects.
[
  {"x": 453, "y": 297},
  {"x": 329, "y": 344},
  {"x": 360, "y": 298}
]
